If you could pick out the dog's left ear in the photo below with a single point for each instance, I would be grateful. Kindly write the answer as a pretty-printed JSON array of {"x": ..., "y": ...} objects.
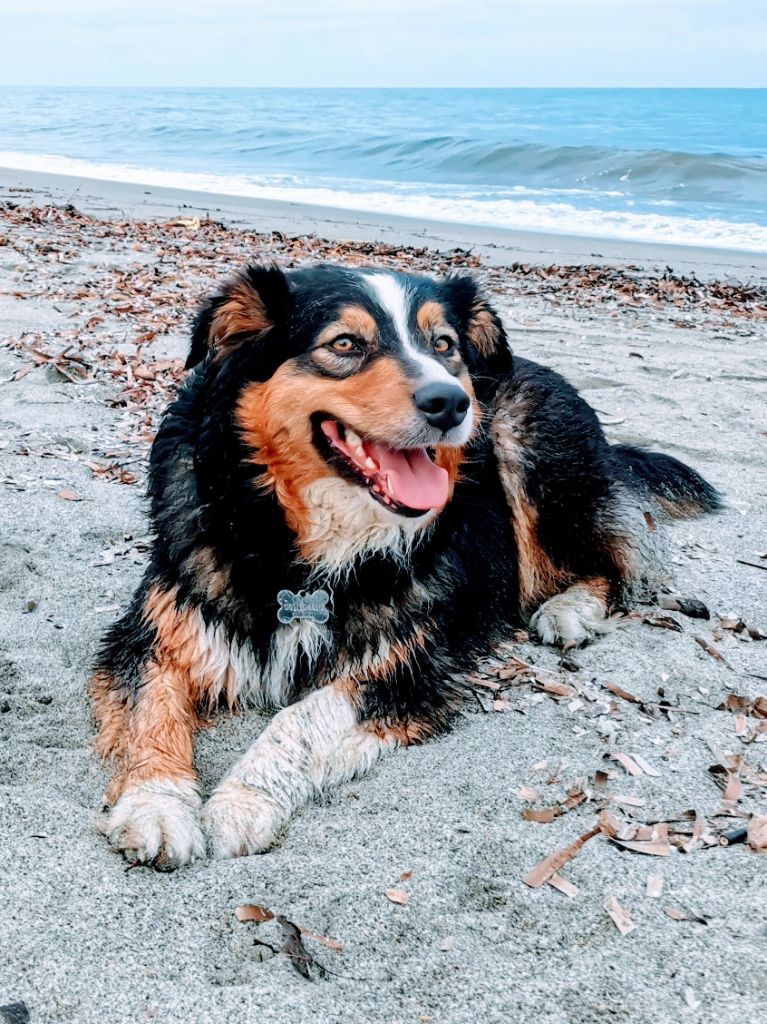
[
  {"x": 489, "y": 351},
  {"x": 244, "y": 311}
]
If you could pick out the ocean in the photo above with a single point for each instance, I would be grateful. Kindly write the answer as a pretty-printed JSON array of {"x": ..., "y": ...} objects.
[{"x": 686, "y": 166}]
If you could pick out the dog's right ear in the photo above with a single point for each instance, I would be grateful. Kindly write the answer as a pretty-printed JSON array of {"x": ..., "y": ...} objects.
[{"x": 244, "y": 311}]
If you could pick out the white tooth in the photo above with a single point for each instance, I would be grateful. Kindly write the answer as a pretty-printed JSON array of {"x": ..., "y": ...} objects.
[
  {"x": 359, "y": 451},
  {"x": 389, "y": 489},
  {"x": 352, "y": 439},
  {"x": 369, "y": 464}
]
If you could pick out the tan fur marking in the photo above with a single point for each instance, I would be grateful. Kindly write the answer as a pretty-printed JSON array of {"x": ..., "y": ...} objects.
[
  {"x": 275, "y": 421},
  {"x": 431, "y": 317},
  {"x": 110, "y": 713},
  {"x": 211, "y": 577},
  {"x": 404, "y": 734},
  {"x": 599, "y": 587},
  {"x": 680, "y": 508},
  {"x": 539, "y": 577},
  {"x": 352, "y": 320},
  {"x": 483, "y": 330},
  {"x": 400, "y": 652},
  {"x": 158, "y": 729},
  {"x": 242, "y": 314}
]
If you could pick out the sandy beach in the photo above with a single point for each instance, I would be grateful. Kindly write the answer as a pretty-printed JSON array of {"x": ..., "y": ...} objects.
[{"x": 656, "y": 720}]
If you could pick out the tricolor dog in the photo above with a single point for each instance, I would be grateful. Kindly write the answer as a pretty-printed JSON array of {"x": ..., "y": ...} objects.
[{"x": 357, "y": 492}]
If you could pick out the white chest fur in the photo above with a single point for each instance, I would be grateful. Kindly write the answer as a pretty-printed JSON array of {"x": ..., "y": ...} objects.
[{"x": 232, "y": 670}]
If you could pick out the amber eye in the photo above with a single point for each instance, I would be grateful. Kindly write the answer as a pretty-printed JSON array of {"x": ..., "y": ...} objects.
[
  {"x": 443, "y": 345},
  {"x": 343, "y": 345}
]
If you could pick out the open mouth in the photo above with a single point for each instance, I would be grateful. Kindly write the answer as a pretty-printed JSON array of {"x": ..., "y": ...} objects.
[{"x": 407, "y": 480}]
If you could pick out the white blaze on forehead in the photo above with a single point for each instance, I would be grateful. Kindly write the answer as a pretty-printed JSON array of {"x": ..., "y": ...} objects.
[{"x": 391, "y": 294}]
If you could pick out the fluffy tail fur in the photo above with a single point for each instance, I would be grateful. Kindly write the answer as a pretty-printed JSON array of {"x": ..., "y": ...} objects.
[{"x": 677, "y": 488}]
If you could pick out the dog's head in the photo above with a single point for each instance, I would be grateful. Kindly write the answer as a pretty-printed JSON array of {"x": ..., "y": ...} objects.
[{"x": 359, "y": 390}]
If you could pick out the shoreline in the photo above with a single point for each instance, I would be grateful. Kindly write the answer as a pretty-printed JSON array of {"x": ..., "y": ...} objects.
[{"x": 495, "y": 246}]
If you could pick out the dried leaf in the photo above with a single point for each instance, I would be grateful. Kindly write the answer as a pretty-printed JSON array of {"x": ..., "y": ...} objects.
[
  {"x": 710, "y": 649},
  {"x": 628, "y": 763},
  {"x": 620, "y": 692},
  {"x": 757, "y": 833},
  {"x": 543, "y": 815},
  {"x": 564, "y": 885},
  {"x": 528, "y": 794},
  {"x": 252, "y": 912},
  {"x": 656, "y": 848},
  {"x": 556, "y": 689},
  {"x": 333, "y": 944},
  {"x": 678, "y": 914},
  {"x": 406, "y": 876},
  {"x": 550, "y": 865},
  {"x": 69, "y": 495},
  {"x": 691, "y": 999},
  {"x": 738, "y": 704},
  {"x": 654, "y": 886},
  {"x": 734, "y": 788},
  {"x": 646, "y": 767},
  {"x": 662, "y": 622},
  {"x": 689, "y": 606},
  {"x": 398, "y": 896},
  {"x": 619, "y": 916},
  {"x": 295, "y": 950}
]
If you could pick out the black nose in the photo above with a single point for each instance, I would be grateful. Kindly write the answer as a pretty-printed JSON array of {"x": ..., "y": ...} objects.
[{"x": 442, "y": 405}]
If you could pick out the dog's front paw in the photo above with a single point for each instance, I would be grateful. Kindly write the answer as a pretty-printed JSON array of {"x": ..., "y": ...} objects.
[
  {"x": 570, "y": 619},
  {"x": 156, "y": 823},
  {"x": 241, "y": 820}
]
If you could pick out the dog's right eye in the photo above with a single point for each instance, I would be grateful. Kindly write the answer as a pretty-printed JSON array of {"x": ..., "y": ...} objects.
[{"x": 344, "y": 345}]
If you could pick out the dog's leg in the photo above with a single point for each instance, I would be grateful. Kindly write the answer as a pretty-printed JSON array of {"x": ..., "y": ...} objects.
[
  {"x": 154, "y": 796},
  {"x": 575, "y": 616},
  {"x": 313, "y": 744}
]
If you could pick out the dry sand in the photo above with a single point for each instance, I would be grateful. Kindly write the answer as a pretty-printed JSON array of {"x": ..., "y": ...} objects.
[{"x": 84, "y": 940}]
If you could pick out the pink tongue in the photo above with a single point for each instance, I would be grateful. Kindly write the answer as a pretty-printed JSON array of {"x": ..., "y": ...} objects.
[{"x": 413, "y": 478}]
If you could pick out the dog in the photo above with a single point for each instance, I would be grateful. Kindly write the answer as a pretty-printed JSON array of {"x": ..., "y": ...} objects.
[{"x": 357, "y": 493}]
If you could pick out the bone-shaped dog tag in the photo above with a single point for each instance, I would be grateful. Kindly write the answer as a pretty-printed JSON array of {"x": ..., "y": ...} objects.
[{"x": 303, "y": 606}]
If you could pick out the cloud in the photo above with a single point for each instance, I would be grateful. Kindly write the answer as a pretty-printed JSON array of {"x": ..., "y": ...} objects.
[{"x": 391, "y": 42}]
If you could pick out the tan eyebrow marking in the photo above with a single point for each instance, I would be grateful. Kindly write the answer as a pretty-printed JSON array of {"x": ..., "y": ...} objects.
[
  {"x": 352, "y": 320},
  {"x": 432, "y": 320}
]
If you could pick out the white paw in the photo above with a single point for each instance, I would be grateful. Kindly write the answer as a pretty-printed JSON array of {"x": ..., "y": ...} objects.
[
  {"x": 157, "y": 823},
  {"x": 241, "y": 820},
  {"x": 570, "y": 619}
]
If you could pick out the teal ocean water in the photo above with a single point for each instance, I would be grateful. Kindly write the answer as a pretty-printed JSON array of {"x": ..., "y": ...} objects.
[{"x": 666, "y": 165}]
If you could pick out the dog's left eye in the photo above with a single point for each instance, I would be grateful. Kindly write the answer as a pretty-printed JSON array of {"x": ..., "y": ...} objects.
[
  {"x": 343, "y": 345},
  {"x": 443, "y": 345}
]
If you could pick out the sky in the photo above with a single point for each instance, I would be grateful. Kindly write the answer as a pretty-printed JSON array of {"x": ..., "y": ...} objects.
[{"x": 384, "y": 42}]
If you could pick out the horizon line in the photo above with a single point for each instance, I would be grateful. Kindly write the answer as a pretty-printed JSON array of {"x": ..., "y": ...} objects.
[{"x": 393, "y": 88}]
